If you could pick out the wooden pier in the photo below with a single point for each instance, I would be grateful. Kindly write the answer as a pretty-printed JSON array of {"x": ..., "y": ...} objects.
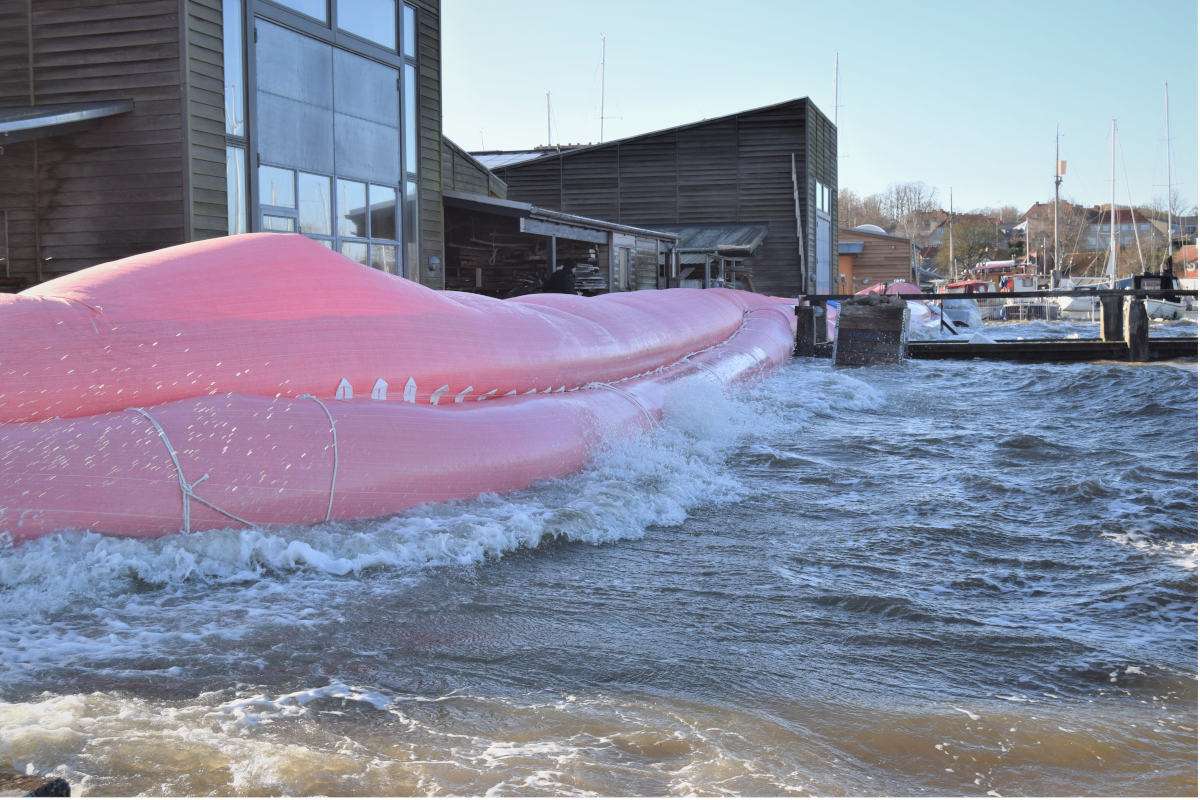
[
  {"x": 1050, "y": 350},
  {"x": 1124, "y": 331}
]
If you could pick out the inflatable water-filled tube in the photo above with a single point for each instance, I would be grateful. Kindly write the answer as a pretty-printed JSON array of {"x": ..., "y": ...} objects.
[{"x": 262, "y": 379}]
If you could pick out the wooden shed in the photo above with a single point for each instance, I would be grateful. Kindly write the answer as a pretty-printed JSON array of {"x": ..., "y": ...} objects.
[{"x": 867, "y": 257}]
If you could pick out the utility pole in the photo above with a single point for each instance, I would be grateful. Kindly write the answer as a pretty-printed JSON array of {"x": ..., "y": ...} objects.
[
  {"x": 950, "y": 226},
  {"x": 603, "y": 48},
  {"x": 549, "y": 143}
]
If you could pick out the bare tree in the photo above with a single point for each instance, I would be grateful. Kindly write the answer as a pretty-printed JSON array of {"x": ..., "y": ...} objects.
[
  {"x": 854, "y": 210},
  {"x": 975, "y": 240},
  {"x": 902, "y": 202}
]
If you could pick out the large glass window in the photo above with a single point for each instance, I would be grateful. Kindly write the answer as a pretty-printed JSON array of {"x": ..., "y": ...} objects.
[
  {"x": 235, "y": 188},
  {"x": 335, "y": 135},
  {"x": 235, "y": 68},
  {"x": 317, "y": 9},
  {"x": 371, "y": 19}
]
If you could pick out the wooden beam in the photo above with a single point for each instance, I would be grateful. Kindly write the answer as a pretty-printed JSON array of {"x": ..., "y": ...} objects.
[{"x": 563, "y": 231}]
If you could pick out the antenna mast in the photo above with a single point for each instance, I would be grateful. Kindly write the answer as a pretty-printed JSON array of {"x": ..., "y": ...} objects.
[
  {"x": 835, "y": 88},
  {"x": 549, "y": 142},
  {"x": 603, "y": 48}
]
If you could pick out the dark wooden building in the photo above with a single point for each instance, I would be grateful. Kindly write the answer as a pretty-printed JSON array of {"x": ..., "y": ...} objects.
[
  {"x": 774, "y": 167},
  {"x": 129, "y": 125}
]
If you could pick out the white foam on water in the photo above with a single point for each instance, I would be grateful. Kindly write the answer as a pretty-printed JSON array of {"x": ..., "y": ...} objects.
[
  {"x": 1179, "y": 554},
  {"x": 83, "y": 598}
]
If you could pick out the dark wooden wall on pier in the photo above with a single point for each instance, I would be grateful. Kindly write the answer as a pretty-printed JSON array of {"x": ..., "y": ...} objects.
[
  {"x": 730, "y": 169},
  {"x": 120, "y": 186}
]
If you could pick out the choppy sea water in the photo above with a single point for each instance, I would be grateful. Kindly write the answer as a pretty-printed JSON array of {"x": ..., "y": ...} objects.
[{"x": 941, "y": 577}]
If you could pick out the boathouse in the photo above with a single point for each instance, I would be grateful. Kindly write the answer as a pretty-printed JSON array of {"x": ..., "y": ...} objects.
[
  {"x": 752, "y": 195},
  {"x": 867, "y": 256}
]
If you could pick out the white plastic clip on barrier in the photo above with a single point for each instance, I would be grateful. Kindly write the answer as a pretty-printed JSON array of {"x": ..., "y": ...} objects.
[
  {"x": 410, "y": 391},
  {"x": 436, "y": 397},
  {"x": 458, "y": 398},
  {"x": 379, "y": 390},
  {"x": 344, "y": 391}
]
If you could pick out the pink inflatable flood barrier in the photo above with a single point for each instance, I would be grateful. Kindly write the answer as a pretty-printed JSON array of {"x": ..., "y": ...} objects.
[{"x": 262, "y": 379}]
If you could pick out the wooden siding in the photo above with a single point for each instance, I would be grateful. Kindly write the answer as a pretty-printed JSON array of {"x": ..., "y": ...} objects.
[
  {"x": 822, "y": 148},
  {"x": 117, "y": 187},
  {"x": 462, "y": 173},
  {"x": 429, "y": 136},
  {"x": 732, "y": 169},
  {"x": 205, "y": 90},
  {"x": 884, "y": 258}
]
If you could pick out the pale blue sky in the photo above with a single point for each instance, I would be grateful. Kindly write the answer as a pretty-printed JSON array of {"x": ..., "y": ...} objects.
[{"x": 962, "y": 94}]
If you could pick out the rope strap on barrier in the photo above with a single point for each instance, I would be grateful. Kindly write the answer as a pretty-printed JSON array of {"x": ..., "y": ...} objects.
[
  {"x": 186, "y": 490},
  {"x": 333, "y": 435}
]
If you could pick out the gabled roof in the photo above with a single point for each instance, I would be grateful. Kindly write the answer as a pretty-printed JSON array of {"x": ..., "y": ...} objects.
[{"x": 799, "y": 101}]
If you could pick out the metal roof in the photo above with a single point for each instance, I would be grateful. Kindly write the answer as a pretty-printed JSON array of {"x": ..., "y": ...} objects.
[
  {"x": 736, "y": 239},
  {"x": 533, "y": 155},
  {"x": 35, "y": 122},
  {"x": 497, "y": 160},
  {"x": 513, "y": 208}
]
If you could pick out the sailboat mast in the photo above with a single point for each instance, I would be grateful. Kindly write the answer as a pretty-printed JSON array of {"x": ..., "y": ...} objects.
[
  {"x": 1057, "y": 183},
  {"x": 603, "y": 48},
  {"x": 1112, "y": 211},
  {"x": 1167, "y": 108}
]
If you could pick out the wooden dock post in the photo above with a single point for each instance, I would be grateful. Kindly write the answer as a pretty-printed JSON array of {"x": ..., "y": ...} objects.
[
  {"x": 1137, "y": 329},
  {"x": 805, "y": 331},
  {"x": 870, "y": 331},
  {"x": 1112, "y": 323}
]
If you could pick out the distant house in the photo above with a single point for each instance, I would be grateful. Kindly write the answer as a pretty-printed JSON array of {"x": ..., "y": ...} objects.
[
  {"x": 1085, "y": 230},
  {"x": 867, "y": 257}
]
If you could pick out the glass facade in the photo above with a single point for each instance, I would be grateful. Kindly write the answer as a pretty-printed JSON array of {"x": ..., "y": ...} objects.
[{"x": 329, "y": 125}]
